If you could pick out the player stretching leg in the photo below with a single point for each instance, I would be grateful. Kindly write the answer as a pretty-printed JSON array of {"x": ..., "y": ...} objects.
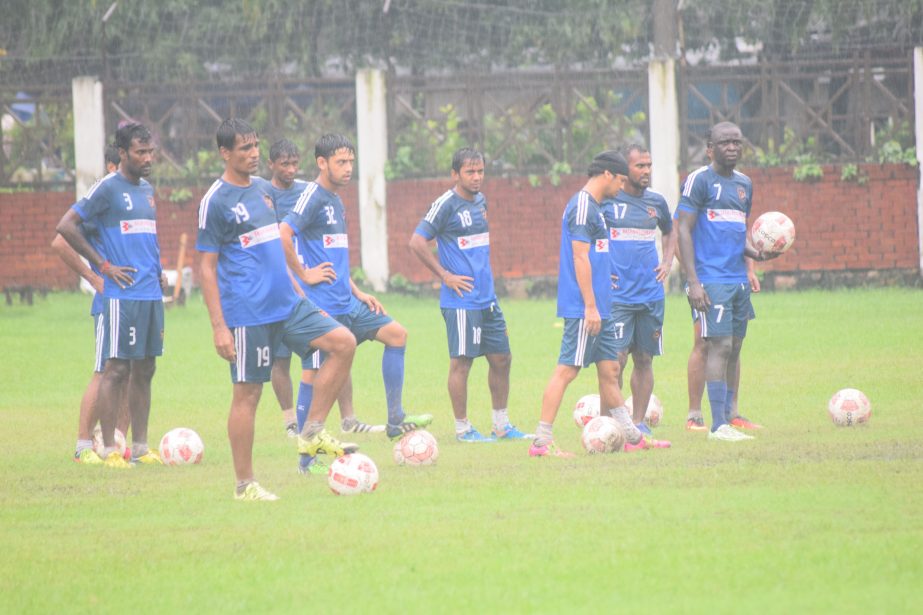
[
  {"x": 584, "y": 300},
  {"x": 474, "y": 322},
  {"x": 632, "y": 219},
  {"x": 252, "y": 305},
  {"x": 713, "y": 210}
]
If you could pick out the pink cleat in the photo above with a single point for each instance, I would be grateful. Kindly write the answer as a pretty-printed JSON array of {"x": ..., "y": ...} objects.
[{"x": 548, "y": 450}]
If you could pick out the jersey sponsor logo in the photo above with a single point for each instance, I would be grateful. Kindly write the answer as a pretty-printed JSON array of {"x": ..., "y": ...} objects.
[
  {"x": 260, "y": 235},
  {"x": 631, "y": 234},
  {"x": 479, "y": 240},
  {"x": 601, "y": 245},
  {"x": 133, "y": 227},
  {"x": 726, "y": 215},
  {"x": 336, "y": 240}
]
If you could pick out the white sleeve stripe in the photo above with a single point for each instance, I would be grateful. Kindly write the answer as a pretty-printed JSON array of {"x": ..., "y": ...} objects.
[
  {"x": 303, "y": 199},
  {"x": 96, "y": 185},
  {"x": 436, "y": 206},
  {"x": 687, "y": 185},
  {"x": 583, "y": 205},
  {"x": 203, "y": 204}
]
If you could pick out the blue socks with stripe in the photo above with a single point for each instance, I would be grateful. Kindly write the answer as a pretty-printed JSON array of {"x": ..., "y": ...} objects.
[{"x": 717, "y": 396}]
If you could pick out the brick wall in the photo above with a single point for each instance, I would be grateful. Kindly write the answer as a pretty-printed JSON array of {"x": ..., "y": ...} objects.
[{"x": 841, "y": 225}]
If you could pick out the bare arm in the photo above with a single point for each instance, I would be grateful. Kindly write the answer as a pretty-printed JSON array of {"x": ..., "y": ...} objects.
[
  {"x": 366, "y": 298},
  {"x": 584, "y": 275},
  {"x": 667, "y": 246},
  {"x": 309, "y": 275},
  {"x": 76, "y": 264},
  {"x": 698, "y": 298},
  {"x": 208, "y": 281},
  {"x": 458, "y": 283},
  {"x": 751, "y": 275},
  {"x": 69, "y": 229}
]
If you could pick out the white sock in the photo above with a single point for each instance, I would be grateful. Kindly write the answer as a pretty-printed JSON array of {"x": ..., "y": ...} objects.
[
  {"x": 543, "y": 434},
  {"x": 138, "y": 449},
  {"x": 501, "y": 418},
  {"x": 462, "y": 425},
  {"x": 84, "y": 444},
  {"x": 288, "y": 415}
]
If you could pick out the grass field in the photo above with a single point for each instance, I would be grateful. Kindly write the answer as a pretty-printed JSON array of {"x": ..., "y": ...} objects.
[{"x": 806, "y": 518}]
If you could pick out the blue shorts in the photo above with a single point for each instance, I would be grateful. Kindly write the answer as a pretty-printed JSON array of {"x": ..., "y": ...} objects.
[
  {"x": 581, "y": 350},
  {"x": 99, "y": 360},
  {"x": 639, "y": 326},
  {"x": 474, "y": 333},
  {"x": 729, "y": 313},
  {"x": 361, "y": 321},
  {"x": 132, "y": 329},
  {"x": 254, "y": 344}
]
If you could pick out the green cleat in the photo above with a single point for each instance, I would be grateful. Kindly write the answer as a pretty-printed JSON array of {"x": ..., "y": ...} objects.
[
  {"x": 324, "y": 444},
  {"x": 411, "y": 422},
  {"x": 254, "y": 493},
  {"x": 88, "y": 457}
]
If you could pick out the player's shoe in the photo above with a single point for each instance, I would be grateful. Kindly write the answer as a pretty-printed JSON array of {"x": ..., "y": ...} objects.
[
  {"x": 548, "y": 450},
  {"x": 632, "y": 433},
  {"x": 89, "y": 457},
  {"x": 311, "y": 465},
  {"x": 473, "y": 435},
  {"x": 742, "y": 422},
  {"x": 410, "y": 423},
  {"x": 291, "y": 430},
  {"x": 324, "y": 444},
  {"x": 254, "y": 493},
  {"x": 354, "y": 425},
  {"x": 115, "y": 460},
  {"x": 150, "y": 458},
  {"x": 510, "y": 433},
  {"x": 696, "y": 424},
  {"x": 727, "y": 433}
]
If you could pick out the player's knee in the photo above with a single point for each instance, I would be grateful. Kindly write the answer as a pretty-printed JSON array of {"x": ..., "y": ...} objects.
[
  {"x": 342, "y": 342},
  {"x": 500, "y": 361},
  {"x": 117, "y": 369},
  {"x": 460, "y": 366},
  {"x": 395, "y": 334},
  {"x": 642, "y": 360}
]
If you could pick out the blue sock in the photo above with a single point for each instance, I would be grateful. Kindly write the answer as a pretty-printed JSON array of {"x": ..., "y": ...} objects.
[
  {"x": 728, "y": 401},
  {"x": 717, "y": 393},
  {"x": 642, "y": 426},
  {"x": 392, "y": 371},
  {"x": 305, "y": 395}
]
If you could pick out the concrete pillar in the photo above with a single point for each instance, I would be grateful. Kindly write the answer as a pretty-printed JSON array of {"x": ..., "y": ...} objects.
[
  {"x": 371, "y": 124},
  {"x": 918, "y": 122},
  {"x": 663, "y": 106},
  {"x": 89, "y": 132}
]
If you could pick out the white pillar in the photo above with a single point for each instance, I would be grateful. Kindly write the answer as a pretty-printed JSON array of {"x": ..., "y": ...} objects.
[
  {"x": 89, "y": 132},
  {"x": 663, "y": 109},
  {"x": 371, "y": 124},
  {"x": 918, "y": 121}
]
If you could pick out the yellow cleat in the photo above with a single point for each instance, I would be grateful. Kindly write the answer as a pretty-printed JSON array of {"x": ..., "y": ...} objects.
[
  {"x": 115, "y": 460},
  {"x": 88, "y": 457},
  {"x": 324, "y": 444},
  {"x": 254, "y": 493},
  {"x": 150, "y": 458}
]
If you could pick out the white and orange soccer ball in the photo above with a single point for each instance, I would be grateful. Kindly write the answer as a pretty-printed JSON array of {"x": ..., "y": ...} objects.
[
  {"x": 352, "y": 474},
  {"x": 120, "y": 443},
  {"x": 602, "y": 434},
  {"x": 587, "y": 408},
  {"x": 772, "y": 232},
  {"x": 181, "y": 446},
  {"x": 654, "y": 412},
  {"x": 849, "y": 407},
  {"x": 416, "y": 448}
]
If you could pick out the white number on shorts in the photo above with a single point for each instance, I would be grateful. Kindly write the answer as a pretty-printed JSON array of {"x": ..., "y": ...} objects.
[
  {"x": 476, "y": 335},
  {"x": 331, "y": 219},
  {"x": 465, "y": 217},
  {"x": 262, "y": 356},
  {"x": 619, "y": 330},
  {"x": 718, "y": 196},
  {"x": 131, "y": 336},
  {"x": 241, "y": 213},
  {"x": 720, "y": 309},
  {"x": 127, "y": 199}
]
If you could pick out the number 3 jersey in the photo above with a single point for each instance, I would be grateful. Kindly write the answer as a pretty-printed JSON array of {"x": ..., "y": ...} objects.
[
  {"x": 239, "y": 224},
  {"x": 460, "y": 229},
  {"x": 124, "y": 215}
]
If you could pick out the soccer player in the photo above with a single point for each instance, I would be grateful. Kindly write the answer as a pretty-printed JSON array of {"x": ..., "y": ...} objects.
[
  {"x": 317, "y": 226},
  {"x": 252, "y": 306},
  {"x": 632, "y": 218},
  {"x": 121, "y": 206},
  {"x": 712, "y": 214},
  {"x": 474, "y": 323},
  {"x": 284, "y": 162},
  {"x": 584, "y": 301}
]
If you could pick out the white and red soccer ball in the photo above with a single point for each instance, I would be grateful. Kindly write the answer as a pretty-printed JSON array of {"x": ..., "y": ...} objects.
[
  {"x": 120, "y": 443},
  {"x": 654, "y": 412},
  {"x": 849, "y": 407},
  {"x": 352, "y": 474},
  {"x": 416, "y": 448},
  {"x": 772, "y": 232},
  {"x": 602, "y": 434},
  {"x": 587, "y": 408},
  {"x": 181, "y": 446}
]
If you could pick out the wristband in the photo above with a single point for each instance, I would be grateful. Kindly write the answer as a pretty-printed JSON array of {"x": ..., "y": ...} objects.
[{"x": 105, "y": 268}]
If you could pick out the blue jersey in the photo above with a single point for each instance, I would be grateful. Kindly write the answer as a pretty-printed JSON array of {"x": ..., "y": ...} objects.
[
  {"x": 285, "y": 199},
  {"x": 319, "y": 220},
  {"x": 720, "y": 232},
  {"x": 91, "y": 234},
  {"x": 583, "y": 221},
  {"x": 463, "y": 242},
  {"x": 125, "y": 216},
  {"x": 632, "y": 223},
  {"x": 239, "y": 224}
]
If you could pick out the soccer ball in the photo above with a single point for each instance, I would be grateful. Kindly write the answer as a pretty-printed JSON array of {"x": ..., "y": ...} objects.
[
  {"x": 772, "y": 232},
  {"x": 654, "y": 411},
  {"x": 181, "y": 446},
  {"x": 586, "y": 409},
  {"x": 602, "y": 435},
  {"x": 120, "y": 444},
  {"x": 416, "y": 448},
  {"x": 848, "y": 407},
  {"x": 351, "y": 474}
]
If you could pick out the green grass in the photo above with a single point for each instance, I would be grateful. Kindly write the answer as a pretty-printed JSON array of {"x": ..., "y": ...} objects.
[{"x": 807, "y": 518}]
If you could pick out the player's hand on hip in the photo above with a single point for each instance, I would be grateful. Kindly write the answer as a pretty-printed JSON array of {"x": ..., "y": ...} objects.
[
  {"x": 118, "y": 274},
  {"x": 224, "y": 344},
  {"x": 319, "y": 274},
  {"x": 592, "y": 321},
  {"x": 459, "y": 283},
  {"x": 372, "y": 302}
]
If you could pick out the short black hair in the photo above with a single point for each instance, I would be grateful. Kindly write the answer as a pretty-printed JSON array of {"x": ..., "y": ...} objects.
[
  {"x": 330, "y": 144},
  {"x": 283, "y": 147},
  {"x": 129, "y": 132},
  {"x": 465, "y": 154},
  {"x": 635, "y": 147},
  {"x": 230, "y": 128},
  {"x": 610, "y": 160},
  {"x": 710, "y": 138},
  {"x": 112, "y": 154}
]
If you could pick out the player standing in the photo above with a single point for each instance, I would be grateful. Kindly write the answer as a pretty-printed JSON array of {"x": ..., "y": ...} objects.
[
  {"x": 632, "y": 219},
  {"x": 584, "y": 300},
  {"x": 252, "y": 305},
  {"x": 121, "y": 206},
  {"x": 713, "y": 210},
  {"x": 475, "y": 326}
]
